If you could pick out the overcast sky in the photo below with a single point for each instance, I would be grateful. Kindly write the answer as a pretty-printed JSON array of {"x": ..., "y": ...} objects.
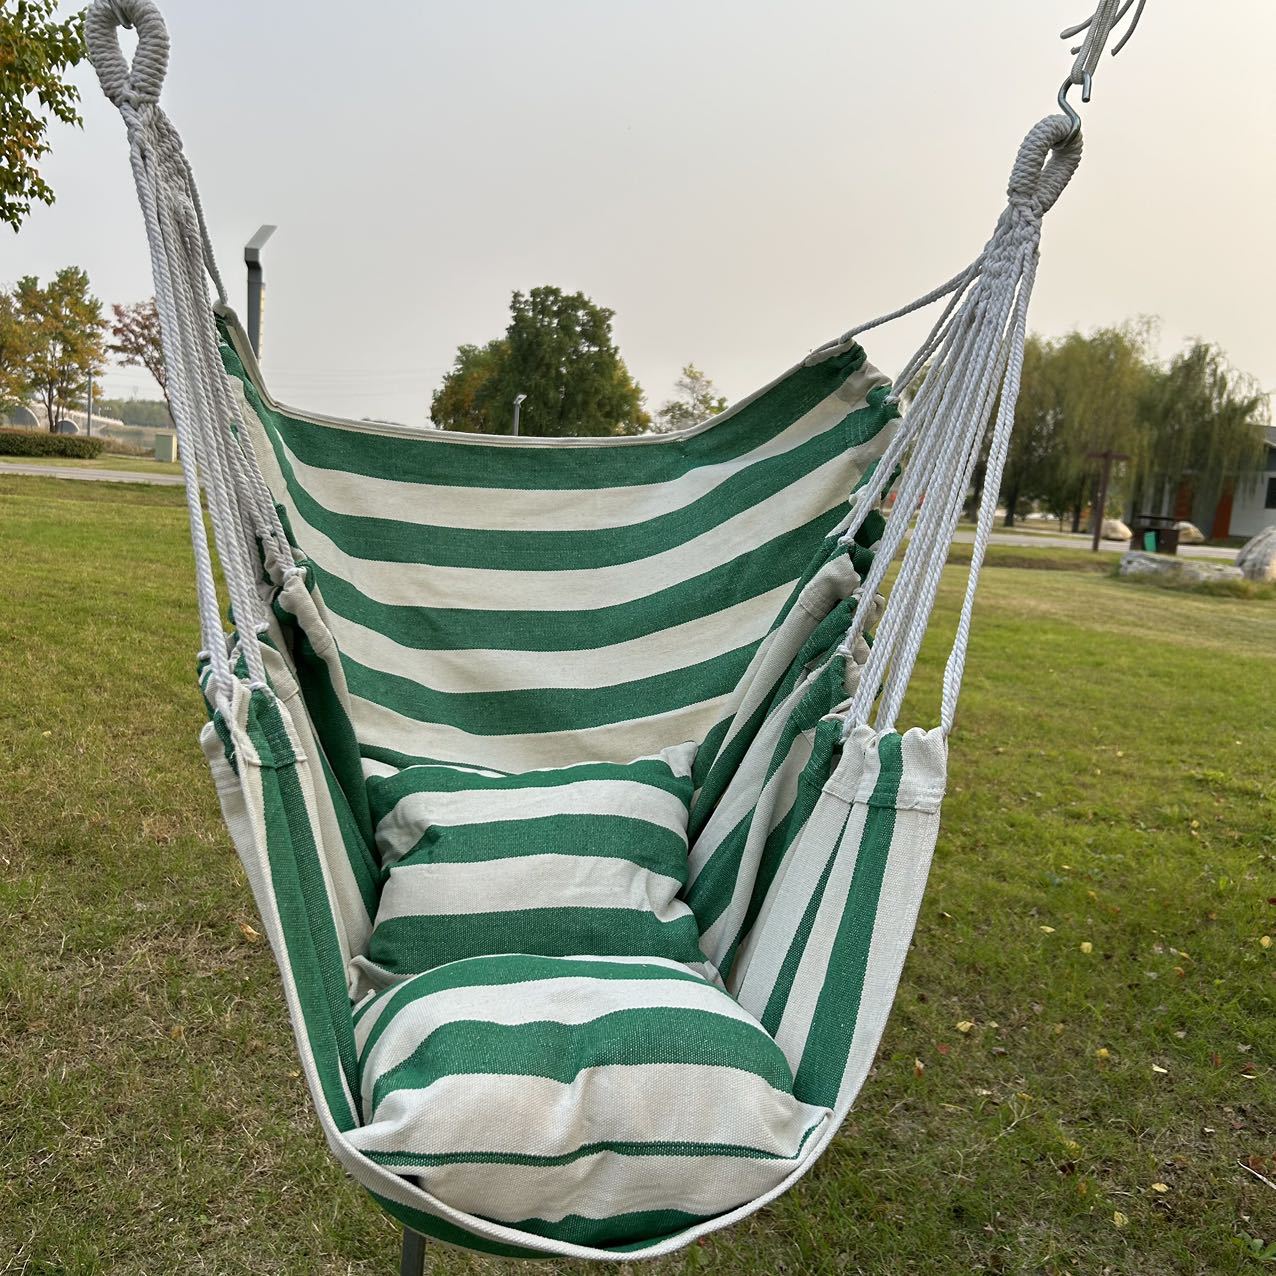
[{"x": 738, "y": 179}]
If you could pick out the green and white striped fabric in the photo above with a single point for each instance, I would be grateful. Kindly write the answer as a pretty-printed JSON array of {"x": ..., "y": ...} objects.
[
  {"x": 599, "y": 1100},
  {"x": 581, "y": 859},
  {"x": 491, "y": 607}
]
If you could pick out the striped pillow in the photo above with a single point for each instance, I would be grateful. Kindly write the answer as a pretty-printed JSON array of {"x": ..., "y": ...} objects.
[
  {"x": 585, "y": 859},
  {"x": 592, "y": 1100}
]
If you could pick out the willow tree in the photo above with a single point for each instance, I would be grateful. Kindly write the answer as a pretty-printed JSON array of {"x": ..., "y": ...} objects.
[{"x": 1205, "y": 421}]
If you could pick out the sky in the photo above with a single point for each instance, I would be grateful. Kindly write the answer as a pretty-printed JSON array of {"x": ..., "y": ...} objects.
[{"x": 739, "y": 180}]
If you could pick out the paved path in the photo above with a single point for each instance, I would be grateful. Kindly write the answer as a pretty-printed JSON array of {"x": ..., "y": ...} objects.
[
  {"x": 1021, "y": 540},
  {"x": 94, "y": 476},
  {"x": 1065, "y": 540}
]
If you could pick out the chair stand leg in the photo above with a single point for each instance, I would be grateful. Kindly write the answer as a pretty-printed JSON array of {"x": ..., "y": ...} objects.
[{"x": 413, "y": 1263}]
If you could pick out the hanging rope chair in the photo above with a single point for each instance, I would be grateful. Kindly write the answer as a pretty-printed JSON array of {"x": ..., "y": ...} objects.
[{"x": 565, "y": 774}]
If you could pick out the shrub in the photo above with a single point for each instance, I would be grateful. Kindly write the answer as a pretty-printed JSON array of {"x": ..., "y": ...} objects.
[{"x": 41, "y": 443}]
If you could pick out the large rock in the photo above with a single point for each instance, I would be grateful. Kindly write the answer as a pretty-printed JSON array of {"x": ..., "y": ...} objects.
[
  {"x": 1258, "y": 558},
  {"x": 1114, "y": 530},
  {"x": 1177, "y": 571},
  {"x": 1189, "y": 533}
]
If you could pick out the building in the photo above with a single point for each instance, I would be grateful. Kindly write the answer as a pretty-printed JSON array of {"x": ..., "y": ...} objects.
[{"x": 1244, "y": 508}]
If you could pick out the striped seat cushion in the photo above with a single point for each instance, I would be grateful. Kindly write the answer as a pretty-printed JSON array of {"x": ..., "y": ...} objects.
[
  {"x": 582, "y": 859},
  {"x": 593, "y": 1100}
]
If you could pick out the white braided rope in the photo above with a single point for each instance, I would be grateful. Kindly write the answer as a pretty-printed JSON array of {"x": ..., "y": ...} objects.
[
  {"x": 213, "y": 446},
  {"x": 972, "y": 357}
]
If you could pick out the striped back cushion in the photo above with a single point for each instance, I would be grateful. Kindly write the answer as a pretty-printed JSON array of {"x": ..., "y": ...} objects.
[
  {"x": 585, "y": 859},
  {"x": 598, "y": 1101}
]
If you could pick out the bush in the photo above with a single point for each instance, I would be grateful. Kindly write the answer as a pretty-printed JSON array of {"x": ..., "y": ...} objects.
[{"x": 41, "y": 443}]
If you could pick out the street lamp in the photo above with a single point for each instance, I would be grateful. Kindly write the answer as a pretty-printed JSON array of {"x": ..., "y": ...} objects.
[
  {"x": 256, "y": 284},
  {"x": 518, "y": 410}
]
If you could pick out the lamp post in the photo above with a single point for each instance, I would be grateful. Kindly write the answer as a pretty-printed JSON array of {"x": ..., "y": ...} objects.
[
  {"x": 256, "y": 284},
  {"x": 518, "y": 410}
]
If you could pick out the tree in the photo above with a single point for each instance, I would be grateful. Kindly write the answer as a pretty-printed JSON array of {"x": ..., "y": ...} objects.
[
  {"x": 1205, "y": 420},
  {"x": 136, "y": 330},
  {"x": 696, "y": 400},
  {"x": 36, "y": 51},
  {"x": 558, "y": 351},
  {"x": 15, "y": 353},
  {"x": 67, "y": 335}
]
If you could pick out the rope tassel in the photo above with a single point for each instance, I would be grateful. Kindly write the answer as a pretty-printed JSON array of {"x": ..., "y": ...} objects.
[
  {"x": 214, "y": 450},
  {"x": 970, "y": 362}
]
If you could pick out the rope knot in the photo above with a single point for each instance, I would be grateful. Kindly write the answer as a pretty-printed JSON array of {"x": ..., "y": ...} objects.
[
  {"x": 138, "y": 85},
  {"x": 1044, "y": 166}
]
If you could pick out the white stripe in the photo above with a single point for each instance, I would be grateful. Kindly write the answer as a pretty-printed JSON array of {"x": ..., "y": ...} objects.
[
  {"x": 808, "y": 983},
  {"x": 487, "y": 670},
  {"x": 404, "y": 826},
  {"x": 567, "y": 999},
  {"x": 612, "y": 742},
  {"x": 560, "y": 882},
  {"x": 539, "y": 1116},
  {"x": 607, "y": 1182},
  {"x": 424, "y": 585},
  {"x": 590, "y": 509}
]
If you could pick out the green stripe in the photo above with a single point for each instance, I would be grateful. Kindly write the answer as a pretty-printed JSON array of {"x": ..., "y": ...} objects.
[
  {"x": 301, "y": 897},
  {"x": 440, "y": 1230},
  {"x": 636, "y": 1037},
  {"x": 532, "y": 549},
  {"x": 405, "y": 945},
  {"x": 386, "y": 792},
  {"x": 490, "y": 972},
  {"x": 828, "y": 1045},
  {"x": 537, "y": 710},
  {"x": 630, "y": 1233},
  {"x": 656, "y": 1147},
  {"x": 745, "y": 577},
  {"x": 437, "y": 460},
  {"x": 611, "y": 837}
]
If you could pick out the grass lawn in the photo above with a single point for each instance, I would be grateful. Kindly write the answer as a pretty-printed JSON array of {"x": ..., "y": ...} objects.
[
  {"x": 1078, "y": 1076},
  {"x": 107, "y": 461}
]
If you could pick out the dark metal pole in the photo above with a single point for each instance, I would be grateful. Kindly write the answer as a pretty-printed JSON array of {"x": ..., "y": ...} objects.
[
  {"x": 1101, "y": 504},
  {"x": 413, "y": 1263},
  {"x": 256, "y": 284}
]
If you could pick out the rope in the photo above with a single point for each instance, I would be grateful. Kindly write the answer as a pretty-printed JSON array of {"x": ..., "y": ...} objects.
[
  {"x": 972, "y": 360},
  {"x": 213, "y": 446}
]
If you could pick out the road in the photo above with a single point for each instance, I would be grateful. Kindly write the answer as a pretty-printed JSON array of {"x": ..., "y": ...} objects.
[
  {"x": 1022, "y": 540},
  {"x": 92, "y": 476},
  {"x": 1065, "y": 540}
]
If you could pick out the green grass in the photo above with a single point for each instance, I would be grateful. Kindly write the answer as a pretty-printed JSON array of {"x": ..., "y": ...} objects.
[
  {"x": 107, "y": 461},
  {"x": 1113, "y": 784}
]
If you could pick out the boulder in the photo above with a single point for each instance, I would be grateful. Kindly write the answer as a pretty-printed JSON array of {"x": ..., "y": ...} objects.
[
  {"x": 1189, "y": 533},
  {"x": 1257, "y": 560},
  {"x": 1114, "y": 530},
  {"x": 1177, "y": 571}
]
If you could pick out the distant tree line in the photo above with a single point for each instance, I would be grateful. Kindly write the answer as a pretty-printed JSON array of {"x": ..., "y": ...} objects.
[{"x": 1194, "y": 418}]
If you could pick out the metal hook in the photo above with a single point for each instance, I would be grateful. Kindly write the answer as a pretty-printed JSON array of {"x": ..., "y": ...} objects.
[
  {"x": 1071, "y": 111},
  {"x": 1086, "y": 77}
]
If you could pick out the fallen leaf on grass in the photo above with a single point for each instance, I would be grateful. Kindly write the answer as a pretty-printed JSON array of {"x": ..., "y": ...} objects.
[
  {"x": 1266, "y": 941},
  {"x": 1087, "y": 947},
  {"x": 1047, "y": 930},
  {"x": 1103, "y": 1053},
  {"x": 1160, "y": 1187},
  {"x": 1156, "y": 1067},
  {"x": 919, "y": 1068},
  {"x": 965, "y": 1026},
  {"x": 944, "y": 1048},
  {"x": 252, "y": 936},
  {"x": 1121, "y": 1220}
]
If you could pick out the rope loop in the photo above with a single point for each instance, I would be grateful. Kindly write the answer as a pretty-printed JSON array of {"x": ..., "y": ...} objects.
[
  {"x": 1044, "y": 166},
  {"x": 137, "y": 85}
]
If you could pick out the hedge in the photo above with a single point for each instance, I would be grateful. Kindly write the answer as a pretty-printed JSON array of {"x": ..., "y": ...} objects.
[{"x": 41, "y": 443}]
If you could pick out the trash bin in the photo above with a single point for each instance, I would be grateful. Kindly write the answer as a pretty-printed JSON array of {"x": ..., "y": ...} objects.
[{"x": 1154, "y": 533}]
